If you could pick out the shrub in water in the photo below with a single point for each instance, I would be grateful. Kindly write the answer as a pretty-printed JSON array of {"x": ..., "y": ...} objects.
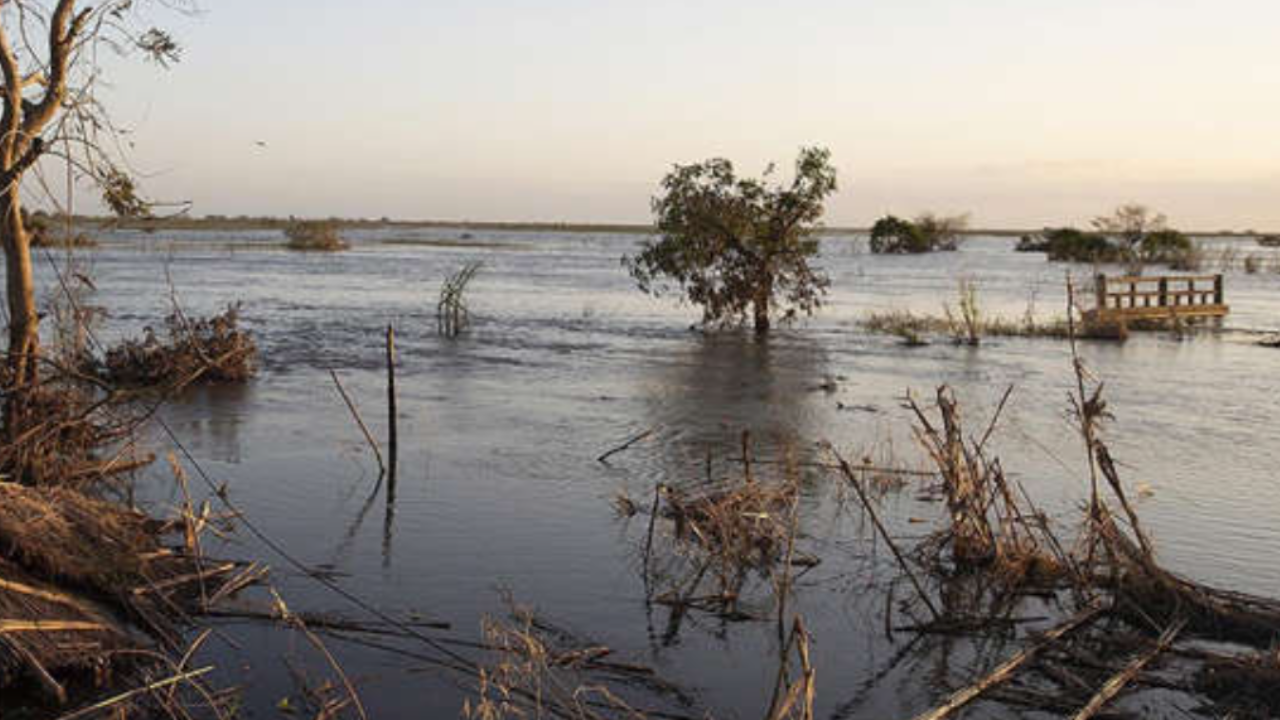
[
  {"x": 928, "y": 233},
  {"x": 319, "y": 235},
  {"x": 202, "y": 350}
]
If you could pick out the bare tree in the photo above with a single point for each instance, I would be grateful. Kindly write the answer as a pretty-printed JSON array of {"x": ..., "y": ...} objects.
[
  {"x": 51, "y": 56},
  {"x": 1130, "y": 225}
]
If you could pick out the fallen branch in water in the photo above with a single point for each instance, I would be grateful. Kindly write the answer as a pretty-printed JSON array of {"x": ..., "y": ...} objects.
[
  {"x": 884, "y": 533},
  {"x": 966, "y": 695},
  {"x": 626, "y": 445},
  {"x": 1113, "y": 686},
  {"x": 368, "y": 436}
]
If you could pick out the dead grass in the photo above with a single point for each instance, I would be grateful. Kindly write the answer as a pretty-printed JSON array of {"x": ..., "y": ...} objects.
[
  {"x": 314, "y": 236},
  {"x": 453, "y": 316},
  {"x": 74, "y": 569},
  {"x": 538, "y": 670},
  {"x": 959, "y": 327},
  {"x": 726, "y": 539},
  {"x": 214, "y": 349}
]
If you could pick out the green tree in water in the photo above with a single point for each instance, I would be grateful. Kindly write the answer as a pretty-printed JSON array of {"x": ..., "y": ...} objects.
[{"x": 739, "y": 247}]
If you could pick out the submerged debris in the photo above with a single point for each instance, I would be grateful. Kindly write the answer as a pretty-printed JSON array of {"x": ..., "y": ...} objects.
[
  {"x": 539, "y": 670},
  {"x": 75, "y": 569},
  {"x": 453, "y": 316},
  {"x": 209, "y": 350}
]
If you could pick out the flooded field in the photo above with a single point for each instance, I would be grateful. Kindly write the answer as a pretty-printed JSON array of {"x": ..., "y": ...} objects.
[{"x": 499, "y": 490}]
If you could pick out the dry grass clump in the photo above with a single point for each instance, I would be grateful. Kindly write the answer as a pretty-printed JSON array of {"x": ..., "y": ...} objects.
[
  {"x": 991, "y": 523},
  {"x": 452, "y": 314},
  {"x": 909, "y": 327},
  {"x": 965, "y": 323},
  {"x": 539, "y": 670},
  {"x": 65, "y": 535},
  {"x": 962, "y": 327},
  {"x": 46, "y": 627},
  {"x": 207, "y": 350},
  {"x": 727, "y": 535},
  {"x": 73, "y": 568},
  {"x": 314, "y": 235},
  {"x": 744, "y": 525},
  {"x": 65, "y": 428}
]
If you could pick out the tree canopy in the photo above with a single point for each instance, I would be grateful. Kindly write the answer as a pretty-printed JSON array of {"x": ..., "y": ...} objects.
[
  {"x": 929, "y": 232},
  {"x": 738, "y": 246}
]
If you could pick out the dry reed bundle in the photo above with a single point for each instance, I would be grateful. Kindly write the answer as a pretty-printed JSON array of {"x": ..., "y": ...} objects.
[
  {"x": 45, "y": 631},
  {"x": 990, "y": 525},
  {"x": 73, "y": 568},
  {"x": 727, "y": 534},
  {"x": 214, "y": 349},
  {"x": 65, "y": 425},
  {"x": 539, "y": 670},
  {"x": 452, "y": 314}
]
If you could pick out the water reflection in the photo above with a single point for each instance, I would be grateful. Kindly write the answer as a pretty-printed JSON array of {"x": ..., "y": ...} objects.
[
  {"x": 211, "y": 418},
  {"x": 721, "y": 385}
]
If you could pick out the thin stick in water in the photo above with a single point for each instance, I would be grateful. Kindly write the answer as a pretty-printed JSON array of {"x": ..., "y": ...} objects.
[{"x": 368, "y": 436}]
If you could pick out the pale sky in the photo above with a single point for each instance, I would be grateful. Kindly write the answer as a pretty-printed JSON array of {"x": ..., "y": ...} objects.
[{"x": 1021, "y": 112}]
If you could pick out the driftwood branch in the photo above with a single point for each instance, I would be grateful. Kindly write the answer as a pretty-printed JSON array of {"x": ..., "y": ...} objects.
[
  {"x": 1112, "y": 688},
  {"x": 627, "y": 444},
  {"x": 966, "y": 695}
]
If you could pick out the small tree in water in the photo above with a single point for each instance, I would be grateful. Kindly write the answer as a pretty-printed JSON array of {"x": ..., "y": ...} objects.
[{"x": 739, "y": 246}]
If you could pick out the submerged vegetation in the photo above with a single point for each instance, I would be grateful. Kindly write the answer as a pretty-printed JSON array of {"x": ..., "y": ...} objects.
[
  {"x": 964, "y": 323},
  {"x": 1132, "y": 235},
  {"x": 213, "y": 349},
  {"x": 453, "y": 316},
  {"x": 314, "y": 235}
]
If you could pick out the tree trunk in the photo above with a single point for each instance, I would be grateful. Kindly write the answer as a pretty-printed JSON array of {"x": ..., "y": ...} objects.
[
  {"x": 760, "y": 304},
  {"x": 24, "y": 338}
]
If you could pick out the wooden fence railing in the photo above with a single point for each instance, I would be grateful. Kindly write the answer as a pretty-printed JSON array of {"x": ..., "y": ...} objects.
[{"x": 1159, "y": 297}]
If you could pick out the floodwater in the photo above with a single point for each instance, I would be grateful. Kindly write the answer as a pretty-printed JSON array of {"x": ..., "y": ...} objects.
[{"x": 499, "y": 490}]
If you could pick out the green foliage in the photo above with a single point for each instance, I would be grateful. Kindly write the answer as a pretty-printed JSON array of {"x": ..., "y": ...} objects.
[
  {"x": 893, "y": 235},
  {"x": 733, "y": 245},
  {"x": 928, "y": 233},
  {"x": 1165, "y": 246},
  {"x": 120, "y": 194},
  {"x": 1136, "y": 242},
  {"x": 1072, "y": 245}
]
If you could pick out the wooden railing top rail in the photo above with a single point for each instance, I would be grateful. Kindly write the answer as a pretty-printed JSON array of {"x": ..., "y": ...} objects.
[{"x": 1138, "y": 279}]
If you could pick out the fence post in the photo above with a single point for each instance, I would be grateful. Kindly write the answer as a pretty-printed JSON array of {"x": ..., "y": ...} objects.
[
  {"x": 1164, "y": 291},
  {"x": 1218, "y": 294},
  {"x": 1100, "y": 289}
]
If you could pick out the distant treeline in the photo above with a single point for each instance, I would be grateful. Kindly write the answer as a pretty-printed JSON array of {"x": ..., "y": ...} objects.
[{"x": 249, "y": 222}]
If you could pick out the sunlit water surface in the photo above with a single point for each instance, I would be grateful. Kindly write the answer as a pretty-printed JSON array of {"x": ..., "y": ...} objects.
[{"x": 499, "y": 489}]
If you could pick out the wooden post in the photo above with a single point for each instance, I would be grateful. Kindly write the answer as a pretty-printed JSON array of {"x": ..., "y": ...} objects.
[
  {"x": 391, "y": 404},
  {"x": 1100, "y": 287},
  {"x": 1219, "y": 296},
  {"x": 1164, "y": 292}
]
